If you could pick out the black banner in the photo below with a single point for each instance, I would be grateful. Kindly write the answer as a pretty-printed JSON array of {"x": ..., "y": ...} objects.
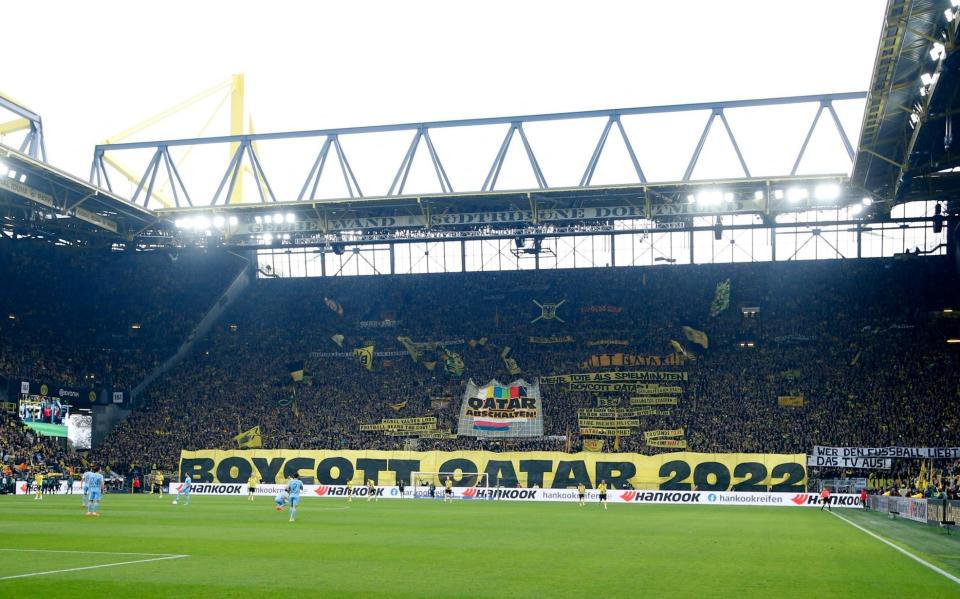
[{"x": 77, "y": 397}]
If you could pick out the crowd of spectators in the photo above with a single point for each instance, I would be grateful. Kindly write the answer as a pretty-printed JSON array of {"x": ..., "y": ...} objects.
[
  {"x": 24, "y": 453},
  {"x": 862, "y": 341},
  {"x": 97, "y": 318},
  {"x": 94, "y": 319}
]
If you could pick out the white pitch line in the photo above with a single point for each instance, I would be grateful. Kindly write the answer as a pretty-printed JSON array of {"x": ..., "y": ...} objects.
[
  {"x": 139, "y": 561},
  {"x": 87, "y": 552},
  {"x": 915, "y": 558}
]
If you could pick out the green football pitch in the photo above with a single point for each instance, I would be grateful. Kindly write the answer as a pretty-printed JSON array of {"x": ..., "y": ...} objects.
[{"x": 142, "y": 546}]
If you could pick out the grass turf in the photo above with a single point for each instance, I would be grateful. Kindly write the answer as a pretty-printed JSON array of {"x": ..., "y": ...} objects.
[{"x": 421, "y": 548}]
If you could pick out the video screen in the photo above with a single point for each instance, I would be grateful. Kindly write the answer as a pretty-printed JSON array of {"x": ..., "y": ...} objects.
[
  {"x": 44, "y": 410},
  {"x": 51, "y": 417}
]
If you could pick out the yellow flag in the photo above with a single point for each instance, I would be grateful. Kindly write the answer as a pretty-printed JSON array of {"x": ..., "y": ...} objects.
[
  {"x": 364, "y": 356},
  {"x": 695, "y": 336},
  {"x": 791, "y": 401},
  {"x": 677, "y": 348},
  {"x": 249, "y": 439},
  {"x": 411, "y": 347},
  {"x": 593, "y": 445}
]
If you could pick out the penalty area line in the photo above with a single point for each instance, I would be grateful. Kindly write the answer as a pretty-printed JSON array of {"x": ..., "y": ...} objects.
[
  {"x": 915, "y": 558},
  {"x": 138, "y": 561}
]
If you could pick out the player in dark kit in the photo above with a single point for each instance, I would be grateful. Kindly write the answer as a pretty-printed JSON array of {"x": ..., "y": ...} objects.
[{"x": 400, "y": 486}]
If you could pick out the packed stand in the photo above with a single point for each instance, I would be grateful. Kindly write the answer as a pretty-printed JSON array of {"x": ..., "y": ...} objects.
[
  {"x": 98, "y": 318},
  {"x": 862, "y": 341}
]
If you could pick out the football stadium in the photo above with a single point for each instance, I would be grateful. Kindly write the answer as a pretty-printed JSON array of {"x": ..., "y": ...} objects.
[{"x": 449, "y": 323}]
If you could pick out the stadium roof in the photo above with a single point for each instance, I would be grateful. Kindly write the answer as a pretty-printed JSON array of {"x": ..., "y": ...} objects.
[
  {"x": 906, "y": 138},
  {"x": 50, "y": 203}
]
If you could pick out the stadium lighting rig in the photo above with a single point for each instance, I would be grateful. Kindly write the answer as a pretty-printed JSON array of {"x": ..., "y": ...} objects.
[
  {"x": 937, "y": 51},
  {"x": 11, "y": 173},
  {"x": 323, "y": 226},
  {"x": 951, "y": 12},
  {"x": 203, "y": 223},
  {"x": 717, "y": 198},
  {"x": 288, "y": 218},
  {"x": 826, "y": 192},
  {"x": 797, "y": 194}
]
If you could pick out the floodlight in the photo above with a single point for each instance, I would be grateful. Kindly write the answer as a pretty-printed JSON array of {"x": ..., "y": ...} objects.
[
  {"x": 268, "y": 238},
  {"x": 257, "y": 219},
  {"x": 867, "y": 201},
  {"x": 709, "y": 198},
  {"x": 855, "y": 210},
  {"x": 690, "y": 197},
  {"x": 268, "y": 218},
  {"x": 23, "y": 178},
  {"x": 286, "y": 237},
  {"x": 797, "y": 194},
  {"x": 291, "y": 217},
  {"x": 758, "y": 195},
  {"x": 778, "y": 194},
  {"x": 277, "y": 218},
  {"x": 218, "y": 221},
  {"x": 728, "y": 196},
  {"x": 202, "y": 222},
  {"x": 936, "y": 51},
  {"x": 827, "y": 191},
  {"x": 234, "y": 220}
]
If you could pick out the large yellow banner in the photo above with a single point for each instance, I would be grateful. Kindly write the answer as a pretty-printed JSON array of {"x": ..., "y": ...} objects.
[{"x": 670, "y": 471}]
